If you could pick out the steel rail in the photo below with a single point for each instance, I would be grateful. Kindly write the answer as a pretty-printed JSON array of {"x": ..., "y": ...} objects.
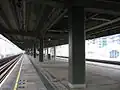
[{"x": 7, "y": 66}]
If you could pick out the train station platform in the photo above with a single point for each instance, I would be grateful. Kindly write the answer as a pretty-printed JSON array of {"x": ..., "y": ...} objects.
[
  {"x": 30, "y": 74},
  {"x": 99, "y": 76},
  {"x": 23, "y": 76}
]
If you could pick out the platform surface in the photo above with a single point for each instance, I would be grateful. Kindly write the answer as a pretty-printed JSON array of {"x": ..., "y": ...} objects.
[
  {"x": 28, "y": 79},
  {"x": 98, "y": 76}
]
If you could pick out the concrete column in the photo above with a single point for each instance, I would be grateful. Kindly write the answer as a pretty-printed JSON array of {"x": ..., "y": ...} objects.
[
  {"x": 34, "y": 50},
  {"x": 31, "y": 51},
  {"x": 47, "y": 53},
  {"x": 54, "y": 53},
  {"x": 41, "y": 50},
  {"x": 76, "y": 48}
]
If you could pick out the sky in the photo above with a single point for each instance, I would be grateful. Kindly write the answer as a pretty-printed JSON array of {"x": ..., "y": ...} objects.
[{"x": 7, "y": 47}]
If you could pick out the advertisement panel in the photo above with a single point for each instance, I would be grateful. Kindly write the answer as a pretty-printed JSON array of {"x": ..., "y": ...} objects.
[{"x": 104, "y": 48}]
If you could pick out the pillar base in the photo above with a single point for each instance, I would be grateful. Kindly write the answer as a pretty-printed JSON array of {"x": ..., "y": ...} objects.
[{"x": 77, "y": 86}]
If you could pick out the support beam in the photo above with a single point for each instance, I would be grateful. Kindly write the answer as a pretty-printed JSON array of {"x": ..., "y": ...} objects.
[
  {"x": 41, "y": 13},
  {"x": 55, "y": 17},
  {"x": 55, "y": 43},
  {"x": 54, "y": 53},
  {"x": 47, "y": 53},
  {"x": 31, "y": 51},
  {"x": 34, "y": 50},
  {"x": 102, "y": 25},
  {"x": 28, "y": 14},
  {"x": 4, "y": 30},
  {"x": 41, "y": 50},
  {"x": 53, "y": 3},
  {"x": 101, "y": 19},
  {"x": 4, "y": 17},
  {"x": 86, "y": 19},
  {"x": 104, "y": 7},
  {"x": 10, "y": 13},
  {"x": 110, "y": 7},
  {"x": 104, "y": 32},
  {"x": 76, "y": 48}
]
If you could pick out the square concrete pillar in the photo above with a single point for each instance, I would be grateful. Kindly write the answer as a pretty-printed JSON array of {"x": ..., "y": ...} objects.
[
  {"x": 34, "y": 50},
  {"x": 76, "y": 48},
  {"x": 54, "y": 52},
  {"x": 41, "y": 50},
  {"x": 47, "y": 53}
]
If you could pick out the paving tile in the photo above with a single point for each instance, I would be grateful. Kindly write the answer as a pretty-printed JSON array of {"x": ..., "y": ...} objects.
[{"x": 98, "y": 77}]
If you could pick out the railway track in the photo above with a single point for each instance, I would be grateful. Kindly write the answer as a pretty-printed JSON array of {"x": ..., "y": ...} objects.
[
  {"x": 5, "y": 60},
  {"x": 6, "y": 65}
]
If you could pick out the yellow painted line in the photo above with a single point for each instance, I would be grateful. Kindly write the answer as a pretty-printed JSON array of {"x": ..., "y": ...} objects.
[
  {"x": 17, "y": 80},
  {"x": 18, "y": 77},
  {"x": 9, "y": 73}
]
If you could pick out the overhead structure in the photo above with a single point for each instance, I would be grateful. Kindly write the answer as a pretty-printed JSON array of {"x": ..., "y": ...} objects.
[
  {"x": 48, "y": 23},
  {"x": 29, "y": 20}
]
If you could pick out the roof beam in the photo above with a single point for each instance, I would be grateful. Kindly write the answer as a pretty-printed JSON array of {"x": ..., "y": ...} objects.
[
  {"x": 28, "y": 13},
  {"x": 40, "y": 16},
  {"x": 55, "y": 17},
  {"x": 86, "y": 19},
  {"x": 3, "y": 30},
  {"x": 31, "y": 33},
  {"x": 10, "y": 13},
  {"x": 106, "y": 32},
  {"x": 53, "y": 3},
  {"x": 4, "y": 17},
  {"x": 102, "y": 11},
  {"x": 23, "y": 33},
  {"x": 104, "y": 7},
  {"x": 101, "y": 19},
  {"x": 102, "y": 25},
  {"x": 18, "y": 33},
  {"x": 56, "y": 43}
]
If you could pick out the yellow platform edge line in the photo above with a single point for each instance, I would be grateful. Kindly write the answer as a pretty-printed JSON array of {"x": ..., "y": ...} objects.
[
  {"x": 17, "y": 80},
  {"x": 18, "y": 77}
]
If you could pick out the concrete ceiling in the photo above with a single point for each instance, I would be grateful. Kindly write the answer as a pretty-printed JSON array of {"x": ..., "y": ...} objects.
[{"x": 25, "y": 21}]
